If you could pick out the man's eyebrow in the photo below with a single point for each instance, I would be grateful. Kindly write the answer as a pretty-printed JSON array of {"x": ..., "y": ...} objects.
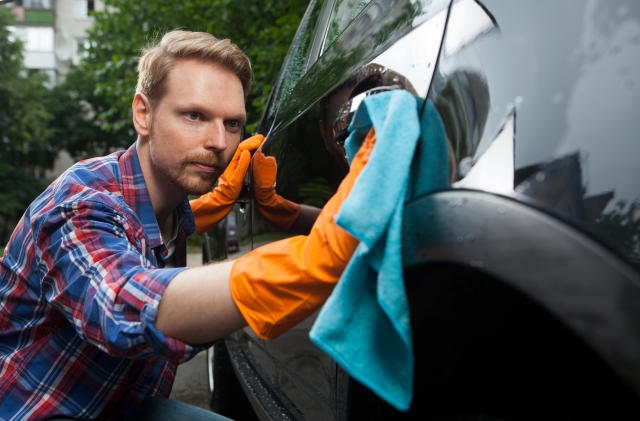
[
  {"x": 242, "y": 118},
  {"x": 189, "y": 106}
]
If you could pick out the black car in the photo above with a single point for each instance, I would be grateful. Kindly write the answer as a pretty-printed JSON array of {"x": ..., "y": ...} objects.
[{"x": 523, "y": 277}]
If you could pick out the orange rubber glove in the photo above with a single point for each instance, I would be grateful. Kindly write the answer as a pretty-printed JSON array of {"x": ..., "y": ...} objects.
[
  {"x": 279, "y": 212},
  {"x": 278, "y": 285},
  {"x": 211, "y": 208}
]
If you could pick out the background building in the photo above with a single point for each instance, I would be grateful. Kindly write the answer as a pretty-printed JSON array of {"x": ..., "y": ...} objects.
[
  {"x": 53, "y": 32},
  {"x": 54, "y": 36}
]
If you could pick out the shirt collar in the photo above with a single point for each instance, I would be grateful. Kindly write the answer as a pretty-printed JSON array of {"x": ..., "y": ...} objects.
[{"x": 135, "y": 193}]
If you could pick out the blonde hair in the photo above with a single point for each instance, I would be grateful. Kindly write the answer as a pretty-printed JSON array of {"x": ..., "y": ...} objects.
[{"x": 157, "y": 60}]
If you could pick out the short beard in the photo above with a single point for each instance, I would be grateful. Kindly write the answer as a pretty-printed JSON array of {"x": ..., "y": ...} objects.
[{"x": 198, "y": 185}]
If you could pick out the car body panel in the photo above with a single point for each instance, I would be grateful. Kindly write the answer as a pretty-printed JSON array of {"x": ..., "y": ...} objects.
[
  {"x": 544, "y": 197},
  {"x": 374, "y": 30},
  {"x": 567, "y": 81},
  {"x": 586, "y": 286},
  {"x": 309, "y": 169}
]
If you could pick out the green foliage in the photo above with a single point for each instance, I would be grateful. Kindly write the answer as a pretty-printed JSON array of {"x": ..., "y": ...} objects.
[
  {"x": 105, "y": 81},
  {"x": 316, "y": 192},
  {"x": 23, "y": 116},
  {"x": 76, "y": 123},
  {"x": 194, "y": 244},
  {"x": 25, "y": 138},
  {"x": 17, "y": 191}
]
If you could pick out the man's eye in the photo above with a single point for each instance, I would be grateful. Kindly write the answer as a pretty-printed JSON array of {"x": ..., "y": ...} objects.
[
  {"x": 193, "y": 116},
  {"x": 233, "y": 124}
]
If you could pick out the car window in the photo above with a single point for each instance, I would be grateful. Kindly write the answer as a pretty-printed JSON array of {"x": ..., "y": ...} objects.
[
  {"x": 344, "y": 12},
  {"x": 294, "y": 65}
]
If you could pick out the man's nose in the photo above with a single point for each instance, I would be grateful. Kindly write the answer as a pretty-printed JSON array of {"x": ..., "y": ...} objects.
[{"x": 216, "y": 138}]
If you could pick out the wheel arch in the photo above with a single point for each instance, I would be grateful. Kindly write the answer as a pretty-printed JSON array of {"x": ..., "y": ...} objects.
[{"x": 592, "y": 290}]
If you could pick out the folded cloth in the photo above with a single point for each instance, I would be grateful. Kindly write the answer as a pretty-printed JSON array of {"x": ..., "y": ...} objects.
[{"x": 365, "y": 324}]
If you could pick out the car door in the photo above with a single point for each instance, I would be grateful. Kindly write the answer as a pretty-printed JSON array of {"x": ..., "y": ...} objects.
[
  {"x": 355, "y": 46},
  {"x": 246, "y": 348},
  {"x": 345, "y": 49}
]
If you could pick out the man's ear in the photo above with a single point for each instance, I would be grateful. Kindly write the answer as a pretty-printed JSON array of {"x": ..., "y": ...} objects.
[{"x": 141, "y": 108}]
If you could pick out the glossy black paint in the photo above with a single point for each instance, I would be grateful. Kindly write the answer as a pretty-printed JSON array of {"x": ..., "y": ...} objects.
[
  {"x": 571, "y": 69},
  {"x": 590, "y": 289},
  {"x": 375, "y": 29},
  {"x": 535, "y": 281},
  {"x": 489, "y": 351},
  {"x": 263, "y": 399},
  {"x": 310, "y": 167}
]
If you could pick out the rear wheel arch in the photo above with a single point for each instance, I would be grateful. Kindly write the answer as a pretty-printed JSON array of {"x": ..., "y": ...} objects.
[
  {"x": 484, "y": 350},
  {"x": 583, "y": 283}
]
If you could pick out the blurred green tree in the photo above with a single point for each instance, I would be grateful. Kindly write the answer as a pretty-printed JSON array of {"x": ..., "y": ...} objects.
[
  {"x": 98, "y": 94},
  {"x": 26, "y": 147},
  {"x": 76, "y": 124}
]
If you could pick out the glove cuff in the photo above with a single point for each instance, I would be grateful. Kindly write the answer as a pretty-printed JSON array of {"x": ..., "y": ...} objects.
[
  {"x": 208, "y": 211},
  {"x": 280, "y": 214}
]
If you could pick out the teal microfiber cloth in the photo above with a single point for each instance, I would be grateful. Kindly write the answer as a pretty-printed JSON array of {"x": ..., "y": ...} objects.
[{"x": 365, "y": 324}]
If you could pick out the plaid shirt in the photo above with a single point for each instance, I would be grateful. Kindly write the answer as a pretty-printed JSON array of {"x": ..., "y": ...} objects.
[{"x": 79, "y": 293}]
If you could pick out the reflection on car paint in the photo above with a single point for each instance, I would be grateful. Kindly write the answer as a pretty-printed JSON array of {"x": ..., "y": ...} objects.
[
  {"x": 462, "y": 99},
  {"x": 493, "y": 171},
  {"x": 529, "y": 93},
  {"x": 304, "y": 372},
  {"x": 344, "y": 11},
  {"x": 311, "y": 164},
  {"x": 295, "y": 62},
  {"x": 413, "y": 58},
  {"x": 559, "y": 184},
  {"x": 573, "y": 79},
  {"x": 374, "y": 30},
  {"x": 368, "y": 80},
  {"x": 259, "y": 385},
  {"x": 469, "y": 21}
]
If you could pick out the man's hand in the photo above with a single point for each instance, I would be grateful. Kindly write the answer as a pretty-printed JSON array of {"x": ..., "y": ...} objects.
[
  {"x": 272, "y": 288},
  {"x": 211, "y": 208},
  {"x": 279, "y": 212},
  {"x": 278, "y": 285}
]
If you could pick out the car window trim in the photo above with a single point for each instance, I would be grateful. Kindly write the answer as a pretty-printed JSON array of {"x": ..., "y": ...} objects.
[
  {"x": 319, "y": 34},
  {"x": 285, "y": 65}
]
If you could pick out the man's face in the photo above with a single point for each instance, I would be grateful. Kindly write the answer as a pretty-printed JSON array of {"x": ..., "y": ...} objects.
[{"x": 195, "y": 127}]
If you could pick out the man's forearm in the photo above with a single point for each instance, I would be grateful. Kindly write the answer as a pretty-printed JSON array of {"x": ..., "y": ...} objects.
[
  {"x": 305, "y": 220},
  {"x": 197, "y": 306}
]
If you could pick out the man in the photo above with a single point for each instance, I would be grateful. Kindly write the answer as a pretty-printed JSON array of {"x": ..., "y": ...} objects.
[{"x": 96, "y": 308}]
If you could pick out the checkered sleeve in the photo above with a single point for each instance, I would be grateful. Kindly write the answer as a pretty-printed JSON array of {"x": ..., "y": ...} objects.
[{"x": 95, "y": 271}]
